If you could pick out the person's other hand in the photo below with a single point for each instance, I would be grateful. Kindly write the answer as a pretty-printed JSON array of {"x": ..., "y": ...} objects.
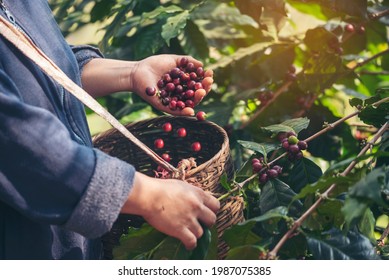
[
  {"x": 147, "y": 72},
  {"x": 173, "y": 207}
]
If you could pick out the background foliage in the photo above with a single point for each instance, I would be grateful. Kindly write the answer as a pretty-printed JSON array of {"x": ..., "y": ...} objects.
[{"x": 312, "y": 62}]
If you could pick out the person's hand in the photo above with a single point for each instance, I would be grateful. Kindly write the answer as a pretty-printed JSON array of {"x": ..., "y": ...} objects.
[
  {"x": 173, "y": 207},
  {"x": 147, "y": 72}
]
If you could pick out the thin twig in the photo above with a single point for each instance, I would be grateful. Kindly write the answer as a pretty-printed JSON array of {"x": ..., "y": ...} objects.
[
  {"x": 273, "y": 253},
  {"x": 366, "y": 61},
  {"x": 277, "y": 93},
  {"x": 365, "y": 72},
  {"x": 380, "y": 241},
  {"x": 375, "y": 16}
]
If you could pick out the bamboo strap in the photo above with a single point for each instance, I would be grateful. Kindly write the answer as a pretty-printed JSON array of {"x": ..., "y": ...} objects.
[{"x": 28, "y": 48}]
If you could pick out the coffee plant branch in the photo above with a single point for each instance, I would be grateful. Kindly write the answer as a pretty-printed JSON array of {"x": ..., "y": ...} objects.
[
  {"x": 277, "y": 93},
  {"x": 366, "y": 61},
  {"x": 380, "y": 241},
  {"x": 273, "y": 253},
  {"x": 375, "y": 16}
]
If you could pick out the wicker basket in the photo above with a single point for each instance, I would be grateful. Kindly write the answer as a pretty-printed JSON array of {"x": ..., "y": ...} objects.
[{"x": 212, "y": 162}]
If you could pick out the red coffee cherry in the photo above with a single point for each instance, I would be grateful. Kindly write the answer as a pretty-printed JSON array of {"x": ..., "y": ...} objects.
[
  {"x": 167, "y": 127},
  {"x": 159, "y": 144},
  {"x": 196, "y": 146},
  {"x": 181, "y": 132},
  {"x": 201, "y": 116},
  {"x": 350, "y": 28},
  {"x": 257, "y": 167},
  {"x": 166, "y": 157},
  {"x": 151, "y": 91}
]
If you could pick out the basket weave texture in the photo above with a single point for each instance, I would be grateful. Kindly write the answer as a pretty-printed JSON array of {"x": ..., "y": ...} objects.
[{"x": 213, "y": 160}]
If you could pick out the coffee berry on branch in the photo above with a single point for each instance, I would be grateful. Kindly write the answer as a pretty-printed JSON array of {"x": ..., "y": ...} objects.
[
  {"x": 265, "y": 172},
  {"x": 293, "y": 146},
  {"x": 178, "y": 87}
]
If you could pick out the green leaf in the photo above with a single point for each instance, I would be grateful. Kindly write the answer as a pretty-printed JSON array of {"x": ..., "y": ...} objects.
[
  {"x": 323, "y": 184},
  {"x": 160, "y": 12},
  {"x": 295, "y": 125},
  {"x": 367, "y": 191},
  {"x": 263, "y": 148},
  {"x": 223, "y": 14},
  {"x": 248, "y": 252},
  {"x": 333, "y": 245},
  {"x": 304, "y": 172},
  {"x": 370, "y": 187},
  {"x": 171, "y": 249},
  {"x": 276, "y": 193},
  {"x": 374, "y": 115},
  {"x": 174, "y": 25},
  {"x": 312, "y": 9},
  {"x": 137, "y": 242},
  {"x": 239, "y": 55},
  {"x": 101, "y": 10},
  {"x": 276, "y": 213},
  {"x": 224, "y": 182},
  {"x": 352, "y": 210},
  {"x": 201, "y": 250},
  {"x": 326, "y": 216},
  {"x": 148, "y": 42},
  {"x": 366, "y": 225},
  {"x": 212, "y": 253},
  {"x": 240, "y": 235},
  {"x": 193, "y": 41}
]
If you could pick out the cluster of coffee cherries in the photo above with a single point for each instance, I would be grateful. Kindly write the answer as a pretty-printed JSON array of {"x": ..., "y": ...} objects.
[
  {"x": 178, "y": 87},
  {"x": 293, "y": 145},
  {"x": 265, "y": 172},
  {"x": 265, "y": 97}
]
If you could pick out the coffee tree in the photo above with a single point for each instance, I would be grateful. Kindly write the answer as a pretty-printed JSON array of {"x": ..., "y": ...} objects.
[{"x": 301, "y": 88}]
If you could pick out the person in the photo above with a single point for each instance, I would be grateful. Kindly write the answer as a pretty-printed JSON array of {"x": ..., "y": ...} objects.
[{"x": 59, "y": 195}]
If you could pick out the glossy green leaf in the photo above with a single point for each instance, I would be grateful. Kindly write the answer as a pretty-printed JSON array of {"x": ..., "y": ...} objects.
[
  {"x": 248, "y": 252},
  {"x": 223, "y": 14},
  {"x": 276, "y": 193},
  {"x": 160, "y": 12},
  {"x": 101, "y": 10},
  {"x": 295, "y": 125},
  {"x": 203, "y": 243},
  {"x": 137, "y": 242},
  {"x": 304, "y": 172},
  {"x": 212, "y": 253},
  {"x": 174, "y": 25},
  {"x": 262, "y": 148},
  {"x": 193, "y": 41},
  {"x": 334, "y": 245},
  {"x": 323, "y": 184},
  {"x": 239, "y": 55},
  {"x": 240, "y": 235},
  {"x": 171, "y": 249}
]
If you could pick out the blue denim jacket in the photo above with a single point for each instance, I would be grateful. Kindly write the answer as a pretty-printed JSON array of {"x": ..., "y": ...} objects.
[{"x": 58, "y": 195}]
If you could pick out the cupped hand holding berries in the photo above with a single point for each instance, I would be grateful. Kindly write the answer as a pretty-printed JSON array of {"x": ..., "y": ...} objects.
[{"x": 152, "y": 74}]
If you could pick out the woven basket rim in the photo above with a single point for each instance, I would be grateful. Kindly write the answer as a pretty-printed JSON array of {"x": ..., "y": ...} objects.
[{"x": 191, "y": 172}]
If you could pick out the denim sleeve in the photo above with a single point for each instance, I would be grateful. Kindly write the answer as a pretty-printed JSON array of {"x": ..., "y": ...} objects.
[
  {"x": 84, "y": 54},
  {"x": 49, "y": 178}
]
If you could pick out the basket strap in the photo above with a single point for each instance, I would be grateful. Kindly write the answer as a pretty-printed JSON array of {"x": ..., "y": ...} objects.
[{"x": 29, "y": 49}]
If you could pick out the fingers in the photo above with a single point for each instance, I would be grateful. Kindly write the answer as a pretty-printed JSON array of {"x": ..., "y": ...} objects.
[
  {"x": 212, "y": 202},
  {"x": 199, "y": 95},
  {"x": 189, "y": 239}
]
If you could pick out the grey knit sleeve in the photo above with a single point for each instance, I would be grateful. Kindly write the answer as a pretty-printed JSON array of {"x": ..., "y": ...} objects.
[{"x": 103, "y": 199}]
